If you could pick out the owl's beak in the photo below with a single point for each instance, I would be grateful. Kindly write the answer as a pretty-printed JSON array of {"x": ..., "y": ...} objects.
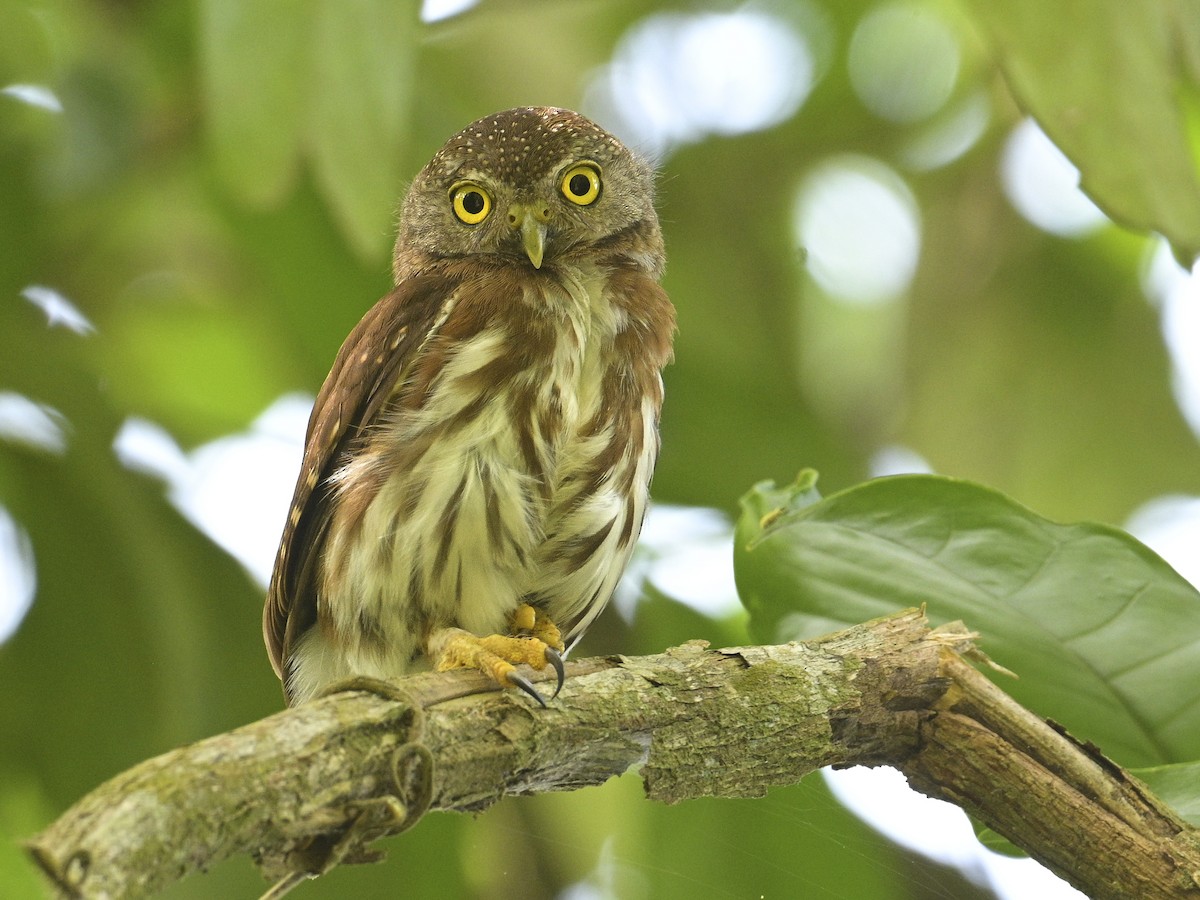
[{"x": 532, "y": 221}]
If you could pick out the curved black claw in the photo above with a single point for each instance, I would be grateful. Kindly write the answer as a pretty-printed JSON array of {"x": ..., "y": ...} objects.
[
  {"x": 521, "y": 682},
  {"x": 556, "y": 663}
]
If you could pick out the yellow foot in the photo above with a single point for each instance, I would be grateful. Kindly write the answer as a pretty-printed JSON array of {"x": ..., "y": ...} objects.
[
  {"x": 497, "y": 656},
  {"x": 531, "y": 621}
]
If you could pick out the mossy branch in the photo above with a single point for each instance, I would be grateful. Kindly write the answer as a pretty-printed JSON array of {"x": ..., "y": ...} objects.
[{"x": 311, "y": 787}]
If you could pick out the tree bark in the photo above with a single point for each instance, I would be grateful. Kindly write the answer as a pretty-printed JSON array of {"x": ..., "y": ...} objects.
[{"x": 311, "y": 787}]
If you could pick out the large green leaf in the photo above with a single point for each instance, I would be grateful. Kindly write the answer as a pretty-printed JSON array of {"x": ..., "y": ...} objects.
[
  {"x": 1118, "y": 97},
  {"x": 330, "y": 79},
  {"x": 363, "y": 57},
  {"x": 256, "y": 77},
  {"x": 1094, "y": 623}
]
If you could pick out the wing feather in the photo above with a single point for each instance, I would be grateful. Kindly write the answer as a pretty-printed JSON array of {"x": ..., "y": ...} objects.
[{"x": 371, "y": 362}]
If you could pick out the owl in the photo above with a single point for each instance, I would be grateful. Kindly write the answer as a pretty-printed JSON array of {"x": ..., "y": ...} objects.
[{"x": 478, "y": 460}]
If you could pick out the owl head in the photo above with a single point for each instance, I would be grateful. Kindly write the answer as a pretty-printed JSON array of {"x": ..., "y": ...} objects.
[{"x": 531, "y": 186}]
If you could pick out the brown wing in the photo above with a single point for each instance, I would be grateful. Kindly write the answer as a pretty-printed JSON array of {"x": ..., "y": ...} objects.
[{"x": 364, "y": 373}]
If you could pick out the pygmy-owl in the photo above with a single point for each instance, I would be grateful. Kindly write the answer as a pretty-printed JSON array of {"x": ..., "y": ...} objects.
[{"x": 477, "y": 463}]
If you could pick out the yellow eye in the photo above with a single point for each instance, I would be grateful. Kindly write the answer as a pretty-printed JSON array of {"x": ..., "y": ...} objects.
[
  {"x": 471, "y": 202},
  {"x": 581, "y": 184}
]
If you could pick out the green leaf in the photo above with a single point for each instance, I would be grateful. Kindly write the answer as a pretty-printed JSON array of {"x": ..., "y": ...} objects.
[
  {"x": 762, "y": 506},
  {"x": 766, "y": 503},
  {"x": 1114, "y": 99},
  {"x": 1177, "y": 785},
  {"x": 254, "y": 56},
  {"x": 997, "y": 843},
  {"x": 364, "y": 54},
  {"x": 331, "y": 78},
  {"x": 1093, "y": 622}
]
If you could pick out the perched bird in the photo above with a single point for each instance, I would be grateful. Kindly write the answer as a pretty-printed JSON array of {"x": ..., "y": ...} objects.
[{"x": 477, "y": 463}]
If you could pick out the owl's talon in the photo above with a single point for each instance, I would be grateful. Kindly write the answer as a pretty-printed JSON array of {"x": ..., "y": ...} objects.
[
  {"x": 544, "y": 629},
  {"x": 522, "y": 683},
  {"x": 556, "y": 663},
  {"x": 495, "y": 655}
]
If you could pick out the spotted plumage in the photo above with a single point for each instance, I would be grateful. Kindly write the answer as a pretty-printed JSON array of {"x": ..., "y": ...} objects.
[{"x": 487, "y": 434}]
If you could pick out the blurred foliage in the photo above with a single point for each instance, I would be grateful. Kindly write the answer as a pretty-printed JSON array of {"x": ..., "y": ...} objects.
[
  {"x": 1103, "y": 123},
  {"x": 216, "y": 196}
]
